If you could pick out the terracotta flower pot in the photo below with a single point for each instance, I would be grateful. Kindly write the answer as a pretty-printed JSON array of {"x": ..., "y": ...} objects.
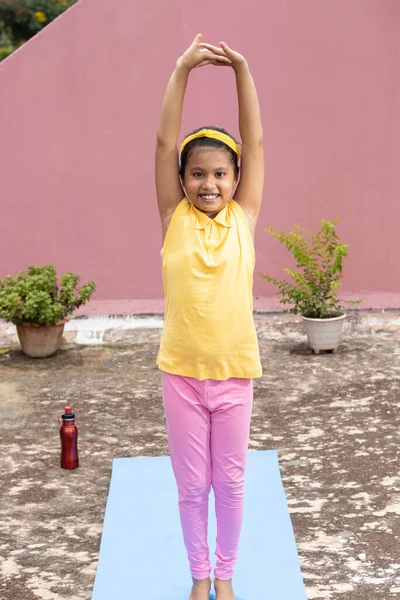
[
  {"x": 324, "y": 334},
  {"x": 40, "y": 341}
]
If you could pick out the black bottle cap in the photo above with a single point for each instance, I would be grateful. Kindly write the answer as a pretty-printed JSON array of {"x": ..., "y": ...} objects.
[{"x": 69, "y": 417}]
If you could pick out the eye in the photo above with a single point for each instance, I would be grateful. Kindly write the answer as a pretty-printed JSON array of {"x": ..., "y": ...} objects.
[
  {"x": 197, "y": 175},
  {"x": 220, "y": 174}
]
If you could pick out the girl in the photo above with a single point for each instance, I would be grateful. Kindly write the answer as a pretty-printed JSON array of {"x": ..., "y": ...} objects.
[{"x": 209, "y": 351}]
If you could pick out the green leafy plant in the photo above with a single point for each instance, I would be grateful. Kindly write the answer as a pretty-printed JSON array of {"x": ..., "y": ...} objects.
[
  {"x": 22, "y": 19},
  {"x": 33, "y": 296},
  {"x": 320, "y": 262},
  {"x": 6, "y": 51}
]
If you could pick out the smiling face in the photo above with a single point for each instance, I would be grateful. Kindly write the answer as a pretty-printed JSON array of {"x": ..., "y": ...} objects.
[{"x": 209, "y": 179}]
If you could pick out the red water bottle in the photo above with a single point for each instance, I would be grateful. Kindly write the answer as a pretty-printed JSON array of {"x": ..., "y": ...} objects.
[{"x": 69, "y": 439}]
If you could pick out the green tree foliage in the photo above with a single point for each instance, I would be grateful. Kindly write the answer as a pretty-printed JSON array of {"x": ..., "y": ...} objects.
[{"x": 22, "y": 19}]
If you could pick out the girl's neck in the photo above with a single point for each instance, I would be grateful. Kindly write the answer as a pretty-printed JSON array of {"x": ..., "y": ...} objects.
[{"x": 212, "y": 214}]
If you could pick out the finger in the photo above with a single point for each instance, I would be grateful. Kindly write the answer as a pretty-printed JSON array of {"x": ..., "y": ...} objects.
[
  {"x": 197, "y": 40},
  {"x": 203, "y": 63},
  {"x": 222, "y": 60},
  {"x": 226, "y": 48},
  {"x": 216, "y": 63},
  {"x": 212, "y": 48},
  {"x": 208, "y": 55}
]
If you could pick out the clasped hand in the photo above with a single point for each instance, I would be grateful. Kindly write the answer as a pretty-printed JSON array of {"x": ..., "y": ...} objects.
[{"x": 200, "y": 54}]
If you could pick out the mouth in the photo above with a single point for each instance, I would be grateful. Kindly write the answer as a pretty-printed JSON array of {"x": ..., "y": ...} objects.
[{"x": 209, "y": 197}]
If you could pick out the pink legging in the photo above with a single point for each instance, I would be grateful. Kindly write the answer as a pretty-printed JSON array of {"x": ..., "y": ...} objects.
[{"x": 208, "y": 425}]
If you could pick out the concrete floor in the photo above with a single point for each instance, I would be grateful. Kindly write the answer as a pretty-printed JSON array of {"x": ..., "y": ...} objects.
[{"x": 334, "y": 419}]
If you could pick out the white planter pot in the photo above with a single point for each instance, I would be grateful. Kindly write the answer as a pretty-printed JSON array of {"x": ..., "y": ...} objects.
[{"x": 324, "y": 334}]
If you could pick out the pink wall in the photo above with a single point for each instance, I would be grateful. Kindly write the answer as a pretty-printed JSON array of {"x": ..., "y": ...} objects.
[{"x": 78, "y": 116}]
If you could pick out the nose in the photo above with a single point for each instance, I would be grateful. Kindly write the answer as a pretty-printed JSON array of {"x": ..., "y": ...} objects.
[{"x": 209, "y": 183}]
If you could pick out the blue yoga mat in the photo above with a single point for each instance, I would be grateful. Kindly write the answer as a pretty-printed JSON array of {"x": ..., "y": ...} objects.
[{"x": 142, "y": 556}]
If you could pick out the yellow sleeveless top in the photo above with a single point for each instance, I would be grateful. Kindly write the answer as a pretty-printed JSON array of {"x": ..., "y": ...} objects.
[{"x": 207, "y": 267}]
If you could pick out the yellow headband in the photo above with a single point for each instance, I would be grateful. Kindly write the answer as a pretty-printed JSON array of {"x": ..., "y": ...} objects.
[{"x": 213, "y": 134}]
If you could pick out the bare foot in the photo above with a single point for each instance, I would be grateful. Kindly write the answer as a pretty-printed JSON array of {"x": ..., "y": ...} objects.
[
  {"x": 200, "y": 589},
  {"x": 223, "y": 589}
]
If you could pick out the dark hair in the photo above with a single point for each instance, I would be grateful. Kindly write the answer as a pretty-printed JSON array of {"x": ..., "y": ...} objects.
[{"x": 208, "y": 142}]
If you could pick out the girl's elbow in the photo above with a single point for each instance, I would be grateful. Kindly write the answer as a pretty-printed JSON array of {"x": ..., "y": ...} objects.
[
  {"x": 165, "y": 143},
  {"x": 256, "y": 141}
]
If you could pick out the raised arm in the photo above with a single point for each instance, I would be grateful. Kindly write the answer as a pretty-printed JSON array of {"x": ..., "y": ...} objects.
[
  {"x": 249, "y": 191},
  {"x": 168, "y": 185}
]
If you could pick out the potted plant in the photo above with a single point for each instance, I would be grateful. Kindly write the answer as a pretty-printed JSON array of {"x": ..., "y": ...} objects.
[
  {"x": 313, "y": 292},
  {"x": 39, "y": 308}
]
